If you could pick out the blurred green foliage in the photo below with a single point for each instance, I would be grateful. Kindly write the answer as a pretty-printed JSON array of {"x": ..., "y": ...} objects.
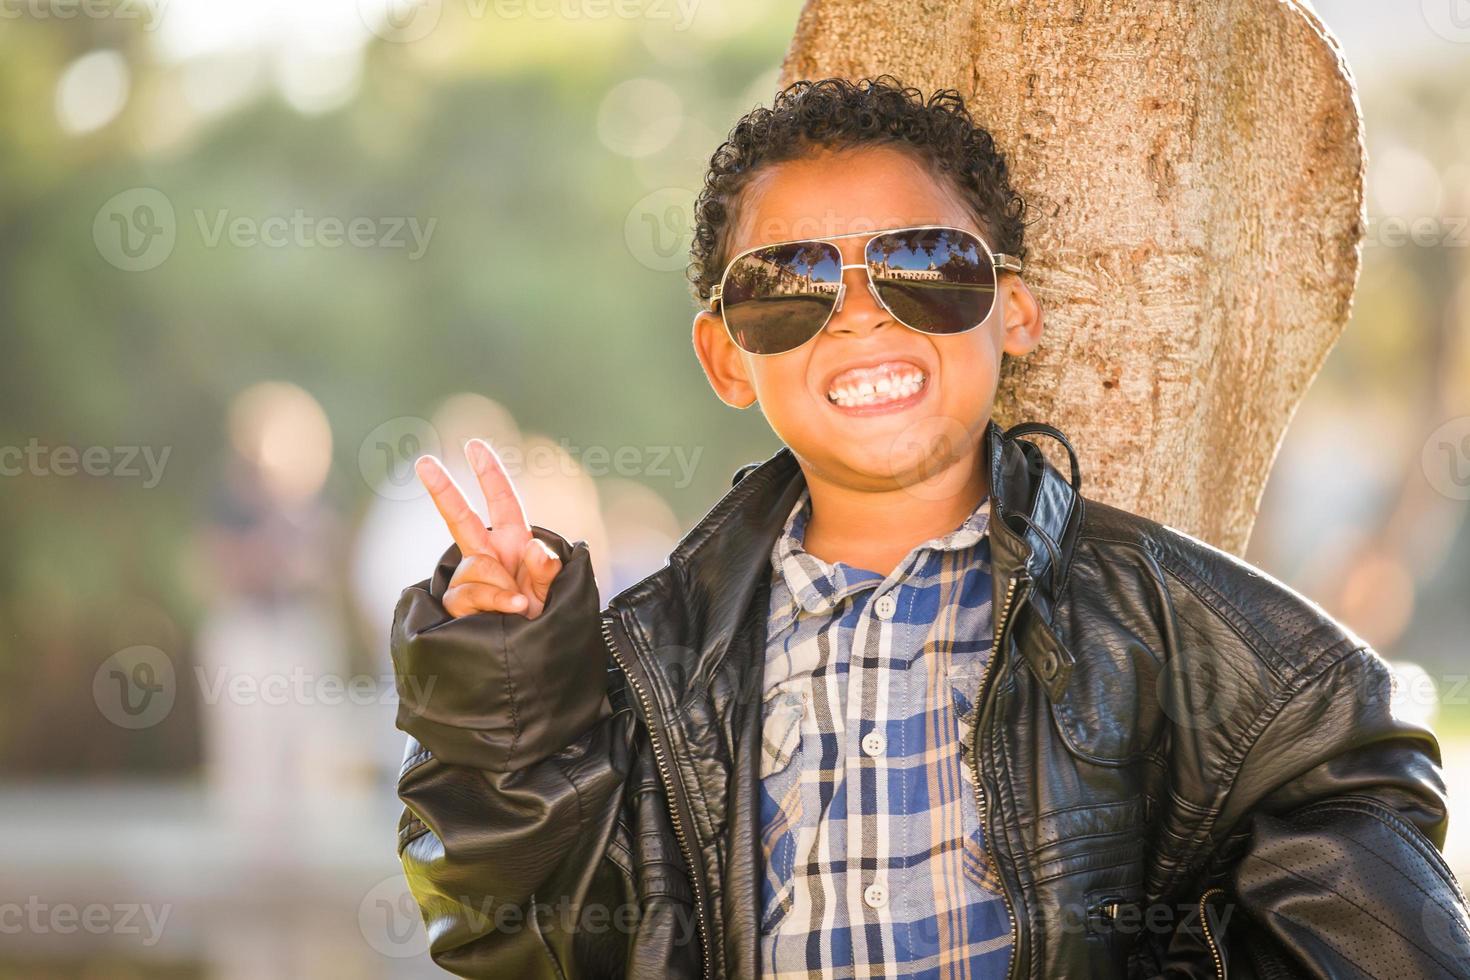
[{"x": 527, "y": 293}]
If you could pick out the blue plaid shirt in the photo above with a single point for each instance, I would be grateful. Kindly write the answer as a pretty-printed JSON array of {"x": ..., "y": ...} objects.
[{"x": 874, "y": 860}]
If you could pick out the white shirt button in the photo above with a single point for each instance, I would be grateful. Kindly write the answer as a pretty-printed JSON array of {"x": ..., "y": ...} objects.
[
  {"x": 886, "y": 606},
  {"x": 874, "y": 743},
  {"x": 876, "y": 896}
]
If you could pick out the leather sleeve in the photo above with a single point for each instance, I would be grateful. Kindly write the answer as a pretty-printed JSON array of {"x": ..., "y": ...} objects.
[
  {"x": 513, "y": 780},
  {"x": 1341, "y": 809},
  {"x": 498, "y": 691}
]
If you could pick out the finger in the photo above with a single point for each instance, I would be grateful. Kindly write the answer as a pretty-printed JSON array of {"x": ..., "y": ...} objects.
[
  {"x": 484, "y": 570},
  {"x": 509, "y": 529},
  {"x": 475, "y": 597},
  {"x": 538, "y": 570},
  {"x": 464, "y": 524}
]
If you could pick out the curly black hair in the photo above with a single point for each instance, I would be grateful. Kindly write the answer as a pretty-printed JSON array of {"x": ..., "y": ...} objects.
[{"x": 834, "y": 114}]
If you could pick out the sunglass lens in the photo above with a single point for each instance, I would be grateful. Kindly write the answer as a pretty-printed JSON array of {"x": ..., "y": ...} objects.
[
  {"x": 936, "y": 280},
  {"x": 777, "y": 298}
]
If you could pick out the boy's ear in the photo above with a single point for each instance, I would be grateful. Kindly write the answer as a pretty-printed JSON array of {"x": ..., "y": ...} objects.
[
  {"x": 1023, "y": 318},
  {"x": 723, "y": 362}
]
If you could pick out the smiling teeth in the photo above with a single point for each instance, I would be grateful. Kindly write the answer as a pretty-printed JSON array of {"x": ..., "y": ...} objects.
[{"x": 888, "y": 386}]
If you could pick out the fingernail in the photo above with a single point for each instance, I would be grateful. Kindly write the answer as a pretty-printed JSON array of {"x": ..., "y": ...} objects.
[
  {"x": 475, "y": 450},
  {"x": 518, "y": 602},
  {"x": 425, "y": 468}
]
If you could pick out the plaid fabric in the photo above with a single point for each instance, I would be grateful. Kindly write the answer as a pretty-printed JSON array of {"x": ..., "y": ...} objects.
[{"x": 840, "y": 815}]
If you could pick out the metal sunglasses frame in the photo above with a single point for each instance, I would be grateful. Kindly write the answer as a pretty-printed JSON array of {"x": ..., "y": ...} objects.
[{"x": 998, "y": 261}]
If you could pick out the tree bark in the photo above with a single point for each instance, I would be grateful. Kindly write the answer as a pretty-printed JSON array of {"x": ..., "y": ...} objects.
[{"x": 1197, "y": 172}]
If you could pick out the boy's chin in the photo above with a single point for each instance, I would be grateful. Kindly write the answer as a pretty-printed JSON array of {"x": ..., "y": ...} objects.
[{"x": 938, "y": 474}]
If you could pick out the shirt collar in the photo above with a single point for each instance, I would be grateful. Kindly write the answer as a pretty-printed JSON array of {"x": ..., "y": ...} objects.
[{"x": 819, "y": 586}]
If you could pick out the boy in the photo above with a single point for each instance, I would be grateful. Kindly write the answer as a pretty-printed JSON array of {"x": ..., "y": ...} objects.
[{"x": 904, "y": 703}]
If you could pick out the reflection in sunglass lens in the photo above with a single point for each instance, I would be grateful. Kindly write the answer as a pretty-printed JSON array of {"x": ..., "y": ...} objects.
[
  {"x": 777, "y": 298},
  {"x": 936, "y": 280}
]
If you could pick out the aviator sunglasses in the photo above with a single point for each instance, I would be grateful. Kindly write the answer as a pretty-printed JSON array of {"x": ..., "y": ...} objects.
[{"x": 932, "y": 278}]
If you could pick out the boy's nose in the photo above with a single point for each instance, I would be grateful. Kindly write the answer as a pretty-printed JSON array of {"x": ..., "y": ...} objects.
[{"x": 858, "y": 309}]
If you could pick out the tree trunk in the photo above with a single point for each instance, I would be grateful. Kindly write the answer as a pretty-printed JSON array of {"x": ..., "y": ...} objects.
[{"x": 1198, "y": 172}]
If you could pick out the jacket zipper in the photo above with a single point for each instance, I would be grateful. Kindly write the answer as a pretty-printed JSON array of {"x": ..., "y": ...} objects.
[
  {"x": 1204, "y": 922},
  {"x": 696, "y": 873},
  {"x": 1005, "y": 622}
]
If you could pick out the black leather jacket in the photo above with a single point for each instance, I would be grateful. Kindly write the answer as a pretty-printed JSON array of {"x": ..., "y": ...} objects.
[{"x": 1184, "y": 766}]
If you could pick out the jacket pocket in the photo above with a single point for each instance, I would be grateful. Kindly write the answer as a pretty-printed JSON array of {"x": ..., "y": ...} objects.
[{"x": 1107, "y": 713}]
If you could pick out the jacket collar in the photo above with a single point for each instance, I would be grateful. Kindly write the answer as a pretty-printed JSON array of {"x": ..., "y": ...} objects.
[{"x": 715, "y": 566}]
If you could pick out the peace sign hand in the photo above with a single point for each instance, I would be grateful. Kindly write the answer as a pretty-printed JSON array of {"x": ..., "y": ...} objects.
[{"x": 503, "y": 568}]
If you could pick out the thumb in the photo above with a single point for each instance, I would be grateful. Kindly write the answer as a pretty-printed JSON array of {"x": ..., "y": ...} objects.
[{"x": 539, "y": 568}]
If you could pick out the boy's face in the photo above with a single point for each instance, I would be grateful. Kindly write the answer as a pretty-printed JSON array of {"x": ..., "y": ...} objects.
[{"x": 924, "y": 441}]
